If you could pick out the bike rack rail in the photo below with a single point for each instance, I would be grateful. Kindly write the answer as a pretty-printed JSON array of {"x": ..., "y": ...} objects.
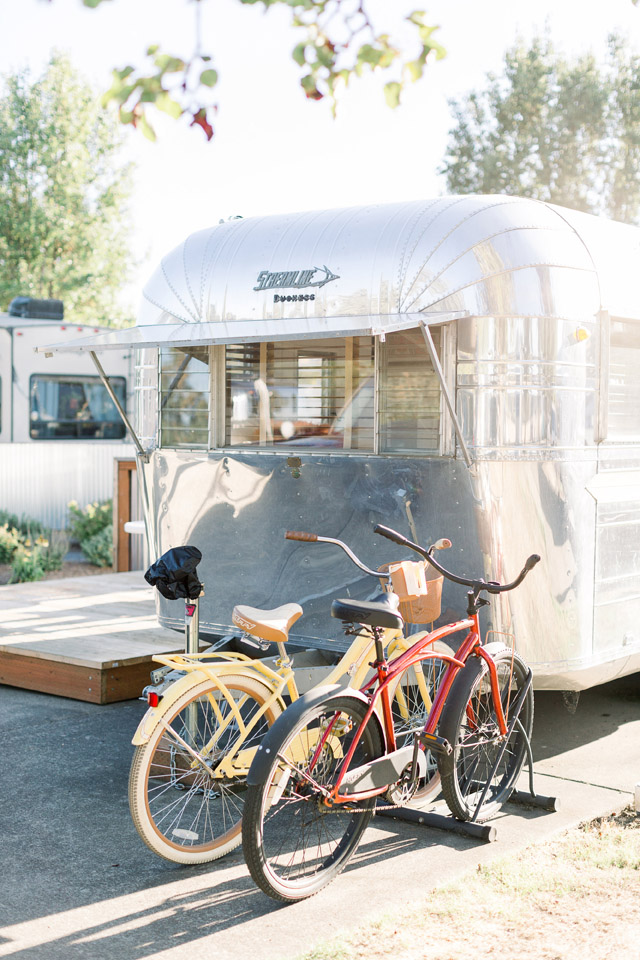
[{"x": 470, "y": 828}]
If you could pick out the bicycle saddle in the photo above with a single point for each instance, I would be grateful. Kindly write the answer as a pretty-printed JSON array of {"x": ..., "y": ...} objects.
[
  {"x": 376, "y": 613},
  {"x": 272, "y": 625}
]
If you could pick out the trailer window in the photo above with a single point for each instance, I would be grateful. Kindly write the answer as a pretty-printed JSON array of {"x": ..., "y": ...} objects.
[
  {"x": 75, "y": 408},
  {"x": 312, "y": 393},
  {"x": 184, "y": 396},
  {"x": 409, "y": 395},
  {"x": 624, "y": 382}
]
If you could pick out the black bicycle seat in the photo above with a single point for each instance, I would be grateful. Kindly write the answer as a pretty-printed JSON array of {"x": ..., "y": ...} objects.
[
  {"x": 376, "y": 613},
  {"x": 174, "y": 574}
]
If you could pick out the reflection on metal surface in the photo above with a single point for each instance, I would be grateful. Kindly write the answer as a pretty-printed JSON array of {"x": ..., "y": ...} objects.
[{"x": 540, "y": 359}]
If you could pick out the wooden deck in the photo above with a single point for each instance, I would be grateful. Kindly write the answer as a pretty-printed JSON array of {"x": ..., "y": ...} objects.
[{"x": 88, "y": 638}]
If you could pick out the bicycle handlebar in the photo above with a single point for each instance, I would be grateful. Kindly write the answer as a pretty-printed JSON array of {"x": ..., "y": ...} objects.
[
  {"x": 491, "y": 586},
  {"x": 314, "y": 538}
]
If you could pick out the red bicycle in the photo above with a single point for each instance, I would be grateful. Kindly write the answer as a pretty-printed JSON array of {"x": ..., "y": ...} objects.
[{"x": 332, "y": 755}]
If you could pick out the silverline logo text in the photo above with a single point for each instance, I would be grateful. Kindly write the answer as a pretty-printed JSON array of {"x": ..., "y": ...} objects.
[{"x": 294, "y": 279}]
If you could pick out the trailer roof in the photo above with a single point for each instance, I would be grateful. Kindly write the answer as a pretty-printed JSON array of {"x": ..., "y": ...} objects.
[{"x": 373, "y": 269}]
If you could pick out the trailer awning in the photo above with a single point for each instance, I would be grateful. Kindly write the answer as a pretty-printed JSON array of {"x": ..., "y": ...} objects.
[{"x": 249, "y": 331}]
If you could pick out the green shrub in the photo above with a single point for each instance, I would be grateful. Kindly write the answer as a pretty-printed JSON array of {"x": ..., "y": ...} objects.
[
  {"x": 10, "y": 541},
  {"x": 26, "y": 526},
  {"x": 27, "y": 565},
  {"x": 98, "y": 549},
  {"x": 84, "y": 524},
  {"x": 53, "y": 549}
]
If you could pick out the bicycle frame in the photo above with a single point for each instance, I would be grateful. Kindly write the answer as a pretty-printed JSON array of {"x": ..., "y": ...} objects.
[
  {"x": 470, "y": 646},
  {"x": 236, "y": 762}
]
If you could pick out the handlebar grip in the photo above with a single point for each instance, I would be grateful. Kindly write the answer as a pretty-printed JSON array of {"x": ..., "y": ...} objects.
[
  {"x": 390, "y": 534},
  {"x": 300, "y": 535}
]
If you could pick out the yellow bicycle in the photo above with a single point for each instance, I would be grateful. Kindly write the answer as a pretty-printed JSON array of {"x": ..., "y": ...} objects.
[{"x": 196, "y": 742}]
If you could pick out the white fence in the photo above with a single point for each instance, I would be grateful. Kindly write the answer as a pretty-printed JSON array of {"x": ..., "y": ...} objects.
[{"x": 39, "y": 479}]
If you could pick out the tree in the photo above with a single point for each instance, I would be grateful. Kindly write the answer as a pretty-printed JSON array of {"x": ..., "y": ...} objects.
[
  {"x": 337, "y": 42},
  {"x": 565, "y": 131},
  {"x": 63, "y": 195}
]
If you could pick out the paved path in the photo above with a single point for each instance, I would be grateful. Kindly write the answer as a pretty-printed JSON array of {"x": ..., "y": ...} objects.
[{"x": 78, "y": 883}]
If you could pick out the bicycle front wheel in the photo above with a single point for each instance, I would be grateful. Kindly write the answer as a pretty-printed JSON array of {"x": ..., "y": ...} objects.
[
  {"x": 469, "y": 724},
  {"x": 179, "y": 810},
  {"x": 295, "y": 844}
]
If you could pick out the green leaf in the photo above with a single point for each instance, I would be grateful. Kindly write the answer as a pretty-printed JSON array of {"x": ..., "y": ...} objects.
[
  {"x": 146, "y": 128},
  {"x": 369, "y": 54},
  {"x": 308, "y": 84},
  {"x": 209, "y": 77},
  {"x": 168, "y": 105},
  {"x": 392, "y": 93},
  {"x": 299, "y": 54},
  {"x": 415, "y": 69},
  {"x": 168, "y": 64}
]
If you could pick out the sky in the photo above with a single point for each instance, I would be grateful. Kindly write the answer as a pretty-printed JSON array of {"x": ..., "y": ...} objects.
[{"x": 275, "y": 151}]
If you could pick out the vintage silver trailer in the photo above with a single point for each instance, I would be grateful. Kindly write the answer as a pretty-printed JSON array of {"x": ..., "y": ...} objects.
[{"x": 463, "y": 367}]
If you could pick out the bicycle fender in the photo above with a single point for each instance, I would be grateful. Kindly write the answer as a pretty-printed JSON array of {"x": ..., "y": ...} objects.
[
  {"x": 150, "y": 720},
  {"x": 260, "y": 766},
  {"x": 472, "y": 669}
]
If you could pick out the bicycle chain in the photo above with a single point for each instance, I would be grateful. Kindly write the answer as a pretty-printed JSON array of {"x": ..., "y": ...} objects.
[{"x": 390, "y": 806}]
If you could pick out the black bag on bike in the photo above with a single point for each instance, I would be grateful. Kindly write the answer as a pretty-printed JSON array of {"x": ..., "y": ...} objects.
[{"x": 174, "y": 574}]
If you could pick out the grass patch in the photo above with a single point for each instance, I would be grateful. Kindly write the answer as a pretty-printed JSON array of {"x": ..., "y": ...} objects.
[{"x": 578, "y": 896}]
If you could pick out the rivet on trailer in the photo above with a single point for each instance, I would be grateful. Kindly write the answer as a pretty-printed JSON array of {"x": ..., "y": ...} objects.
[{"x": 463, "y": 367}]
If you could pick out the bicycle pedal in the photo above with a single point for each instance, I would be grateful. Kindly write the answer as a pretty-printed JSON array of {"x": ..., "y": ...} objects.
[{"x": 434, "y": 743}]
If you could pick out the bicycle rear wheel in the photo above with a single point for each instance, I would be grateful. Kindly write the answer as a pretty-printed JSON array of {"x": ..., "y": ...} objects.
[
  {"x": 469, "y": 724},
  {"x": 180, "y": 812},
  {"x": 295, "y": 844}
]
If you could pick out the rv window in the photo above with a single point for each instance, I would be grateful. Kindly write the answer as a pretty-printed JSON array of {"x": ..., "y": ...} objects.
[
  {"x": 624, "y": 383},
  {"x": 184, "y": 397},
  {"x": 311, "y": 393},
  {"x": 409, "y": 395},
  {"x": 74, "y": 408}
]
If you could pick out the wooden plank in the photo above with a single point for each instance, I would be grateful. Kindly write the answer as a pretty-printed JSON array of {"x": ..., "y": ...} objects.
[
  {"x": 76, "y": 682},
  {"x": 126, "y": 682},
  {"x": 46, "y": 676},
  {"x": 123, "y": 470},
  {"x": 89, "y": 638}
]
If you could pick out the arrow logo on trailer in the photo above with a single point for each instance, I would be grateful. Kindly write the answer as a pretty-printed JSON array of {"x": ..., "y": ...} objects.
[
  {"x": 328, "y": 277},
  {"x": 294, "y": 279}
]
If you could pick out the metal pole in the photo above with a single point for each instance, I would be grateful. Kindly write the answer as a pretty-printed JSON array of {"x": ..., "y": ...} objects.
[
  {"x": 191, "y": 626},
  {"x": 117, "y": 404},
  {"x": 426, "y": 333}
]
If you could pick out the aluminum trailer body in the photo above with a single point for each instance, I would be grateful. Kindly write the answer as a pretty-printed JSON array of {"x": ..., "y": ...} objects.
[{"x": 463, "y": 367}]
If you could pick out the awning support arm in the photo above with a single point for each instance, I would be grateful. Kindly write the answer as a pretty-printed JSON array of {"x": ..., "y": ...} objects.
[
  {"x": 141, "y": 451},
  {"x": 435, "y": 360},
  {"x": 142, "y": 457}
]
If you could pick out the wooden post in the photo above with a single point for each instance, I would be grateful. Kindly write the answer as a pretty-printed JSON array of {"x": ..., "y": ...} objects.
[{"x": 122, "y": 483}]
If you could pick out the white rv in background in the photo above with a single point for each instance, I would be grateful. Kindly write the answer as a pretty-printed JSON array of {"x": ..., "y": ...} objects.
[{"x": 59, "y": 430}]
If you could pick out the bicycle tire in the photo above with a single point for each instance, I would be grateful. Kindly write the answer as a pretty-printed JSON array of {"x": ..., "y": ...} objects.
[
  {"x": 468, "y": 722},
  {"x": 175, "y": 809},
  {"x": 293, "y": 844}
]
